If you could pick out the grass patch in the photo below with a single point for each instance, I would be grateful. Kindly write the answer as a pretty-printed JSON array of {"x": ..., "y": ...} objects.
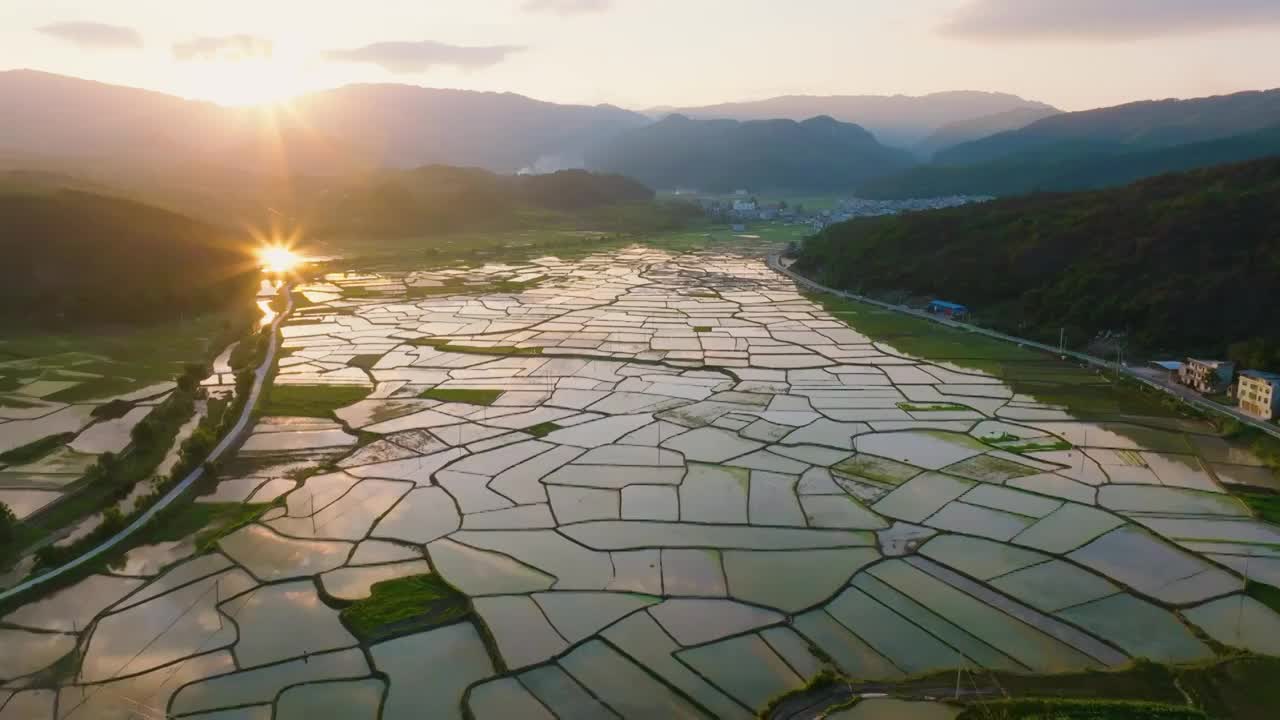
[
  {"x": 1106, "y": 399},
  {"x": 921, "y": 337},
  {"x": 12, "y": 402},
  {"x": 444, "y": 345},
  {"x": 933, "y": 407},
  {"x": 462, "y": 395},
  {"x": 878, "y": 469},
  {"x": 1059, "y": 709},
  {"x": 402, "y": 605},
  {"x": 33, "y": 451},
  {"x": 309, "y": 400},
  {"x": 702, "y": 329},
  {"x": 1265, "y": 505},
  {"x": 1265, "y": 594},
  {"x": 542, "y": 429},
  {"x": 365, "y": 362}
]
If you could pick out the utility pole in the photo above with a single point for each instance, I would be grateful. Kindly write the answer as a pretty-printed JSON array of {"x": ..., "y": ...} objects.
[{"x": 1062, "y": 341}]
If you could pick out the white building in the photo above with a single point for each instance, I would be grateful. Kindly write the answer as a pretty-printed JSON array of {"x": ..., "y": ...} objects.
[
  {"x": 1206, "y": 376},
  {"x": 1258, "y": 394}
]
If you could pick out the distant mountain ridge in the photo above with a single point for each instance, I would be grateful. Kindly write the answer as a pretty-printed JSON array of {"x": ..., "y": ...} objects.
[
  {"x": 1140, "y": 125},
  {"x": 816, "y": 155},
  {"x": 1059, "y": 171},
  {"x": 897, "y": 120},
  {"x": 1099, "y": 148},
  {"x": 964, "y": 131},
  {"x": 339, "y": 131}
]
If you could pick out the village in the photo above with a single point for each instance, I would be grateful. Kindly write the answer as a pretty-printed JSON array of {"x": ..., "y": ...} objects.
[
  {"x": 743, "y": 208},
  {"x": 1253, "y": 392}
]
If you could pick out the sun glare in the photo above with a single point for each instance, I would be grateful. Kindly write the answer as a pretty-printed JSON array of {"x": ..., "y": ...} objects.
[
  {"x": 244, "y": 83},
  {"x": 278, "y": 259}
]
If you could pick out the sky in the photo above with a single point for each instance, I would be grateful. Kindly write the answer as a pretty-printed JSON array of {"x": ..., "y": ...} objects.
[{"x": 1074, "y": 54}]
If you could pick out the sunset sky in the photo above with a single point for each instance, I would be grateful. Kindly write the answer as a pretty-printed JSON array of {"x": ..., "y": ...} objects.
[{"x": 1075, "y": 54}]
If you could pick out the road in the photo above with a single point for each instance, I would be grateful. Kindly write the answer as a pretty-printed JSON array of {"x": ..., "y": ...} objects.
[
  {"x": 1152, "y": 379},
  {"x": 228, "y": 442}
]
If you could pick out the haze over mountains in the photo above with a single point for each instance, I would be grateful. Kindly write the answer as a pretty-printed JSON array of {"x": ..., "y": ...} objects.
[
  {"x": 815, "y": 155},
  {"x": 46, "y": 117},
  {"x": 897, "y": 120},
  {"x": 182, "y": 153},
  {"x": 1097, "y": 148}
]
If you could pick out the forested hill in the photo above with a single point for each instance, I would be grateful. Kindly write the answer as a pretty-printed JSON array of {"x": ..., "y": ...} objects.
[
  {"x": 439, "y": 198},
  {"x": 1069, "y": 168},
  {"x": 816, "y": 155},
  {"x": 1184, "y": 263},
  {"x": 74, "y": 255}
]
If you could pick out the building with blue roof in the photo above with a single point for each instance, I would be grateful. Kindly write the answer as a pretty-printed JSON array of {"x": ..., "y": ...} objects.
[{"x": 955, "y": 311}]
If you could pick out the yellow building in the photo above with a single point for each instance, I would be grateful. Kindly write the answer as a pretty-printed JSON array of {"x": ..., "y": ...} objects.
[{"x": 1258, "y": 394}]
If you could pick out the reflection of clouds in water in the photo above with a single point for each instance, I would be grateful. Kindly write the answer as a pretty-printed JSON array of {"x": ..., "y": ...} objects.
[{"x": 302, "y": 599}]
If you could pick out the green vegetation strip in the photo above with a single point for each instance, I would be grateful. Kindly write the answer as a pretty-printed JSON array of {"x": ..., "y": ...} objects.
[
  {"x": 932, "y": 407},
  {"x": 444, "y": 345},
  {"x": 1267, "y": 506},
  {"x": 462, "y": 395},
  {"x": 1241, "y": 687},
  {"x": 402, "y": 605},
  {"x": 308, "y": 400},
  {"x": 1057, "y": 709},
  {"x": 12, "y": 402}
]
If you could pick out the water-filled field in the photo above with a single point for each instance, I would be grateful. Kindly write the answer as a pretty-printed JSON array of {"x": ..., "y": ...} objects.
[{"x": 647, "y": 484}]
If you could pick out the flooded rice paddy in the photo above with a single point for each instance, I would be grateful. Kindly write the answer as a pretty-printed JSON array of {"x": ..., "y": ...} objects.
[{"x": 693, "y": 486}]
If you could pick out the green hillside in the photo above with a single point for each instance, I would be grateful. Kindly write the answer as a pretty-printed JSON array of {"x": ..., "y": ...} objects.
[
  {"x": 1070, "y": 166},
  {"x": 72, "y": 256},
  {"x": 1134, "y": 126},
  {"x": 1183, "y": 263},
  {"x": 440, "y": 198}
]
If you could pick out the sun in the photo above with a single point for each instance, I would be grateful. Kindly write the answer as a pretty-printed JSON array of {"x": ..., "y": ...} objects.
[{"x": 278, "y": 259}]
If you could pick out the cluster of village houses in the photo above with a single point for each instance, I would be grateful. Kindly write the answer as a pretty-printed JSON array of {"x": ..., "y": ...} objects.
[
  {"x": 1257, "y": 393},
  {"x": 742, "y": 209}
]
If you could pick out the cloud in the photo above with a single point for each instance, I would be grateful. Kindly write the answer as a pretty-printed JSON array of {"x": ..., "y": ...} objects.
[
  {"x": 414, "y": 57},
  {"x": 228, "y": 47},
  {"x": 1105, "y": 19},
  {"x": 566, "y": 7},
  {"x": 94, "y": 36}
]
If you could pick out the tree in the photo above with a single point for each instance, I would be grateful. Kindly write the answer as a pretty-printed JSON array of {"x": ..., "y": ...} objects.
[{"x": 8, "y": 524}]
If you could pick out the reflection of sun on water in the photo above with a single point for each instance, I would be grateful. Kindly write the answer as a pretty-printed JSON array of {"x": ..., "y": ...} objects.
[{"x": 278, "y": 259}]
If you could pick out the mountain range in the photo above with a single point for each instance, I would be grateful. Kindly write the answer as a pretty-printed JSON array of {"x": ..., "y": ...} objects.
[
  {"x": 207, "y": 160},
  {"x": 45, "y": 119},
  {"x": 1099, "y": 148},
  {"x": 897, "y": 120},
  {"x": 817, "y": 155}
]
